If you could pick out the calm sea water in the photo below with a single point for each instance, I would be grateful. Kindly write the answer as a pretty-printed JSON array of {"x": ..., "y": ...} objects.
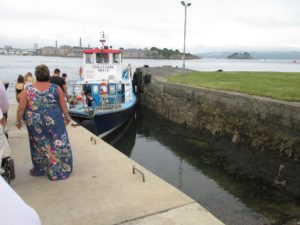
[
  {"x": 11, "y": 66},
  {"x": 164, "y": 149}
]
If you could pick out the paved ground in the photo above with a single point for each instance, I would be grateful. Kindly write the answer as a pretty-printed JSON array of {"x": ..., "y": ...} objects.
[{"x": 102, "y": 188}]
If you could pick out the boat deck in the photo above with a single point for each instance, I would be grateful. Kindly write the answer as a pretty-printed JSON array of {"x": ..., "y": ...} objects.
[{"x": 102, "y": 188}]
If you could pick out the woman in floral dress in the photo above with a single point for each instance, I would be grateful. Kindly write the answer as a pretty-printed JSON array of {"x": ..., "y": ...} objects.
[{"x": 42, "y": 105}]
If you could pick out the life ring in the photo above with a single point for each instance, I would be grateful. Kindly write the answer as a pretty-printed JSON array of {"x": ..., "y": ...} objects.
[
  {"x": 103, "y": 88},
  {"x": 79, "y": 98}
]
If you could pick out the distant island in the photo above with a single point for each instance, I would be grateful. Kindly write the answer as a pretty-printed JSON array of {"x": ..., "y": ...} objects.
[
  {"x": 238, "y": 55},
  {"x": 291, "y": 55}
]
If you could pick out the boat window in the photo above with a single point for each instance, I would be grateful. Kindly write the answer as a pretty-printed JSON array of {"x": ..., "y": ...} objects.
[
  {"x": 101, "y": 58},
  {"x": 116, "y": 58},
  {"x": 88, "y": 58}
]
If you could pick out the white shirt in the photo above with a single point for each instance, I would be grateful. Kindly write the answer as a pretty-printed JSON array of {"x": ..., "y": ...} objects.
[
  {"x": 4, "y": 104},
  {"x": 13, "y": 210}
]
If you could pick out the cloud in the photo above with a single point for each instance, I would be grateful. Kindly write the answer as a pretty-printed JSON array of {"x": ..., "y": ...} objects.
[{"x": 157, "y": 23}]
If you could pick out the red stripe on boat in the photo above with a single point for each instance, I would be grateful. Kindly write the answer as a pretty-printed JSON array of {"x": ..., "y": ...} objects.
[{"x": 98, "y": 50}]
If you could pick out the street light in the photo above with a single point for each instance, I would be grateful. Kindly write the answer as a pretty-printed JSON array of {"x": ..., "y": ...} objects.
[{"x": 185, "y": 7}]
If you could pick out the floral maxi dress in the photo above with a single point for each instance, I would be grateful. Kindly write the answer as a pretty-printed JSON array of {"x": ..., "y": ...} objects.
[{"x": 51, "y": 152}]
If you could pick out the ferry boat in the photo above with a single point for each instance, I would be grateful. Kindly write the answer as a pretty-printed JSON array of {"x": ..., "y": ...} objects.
[{"x": 103, "y": 98}]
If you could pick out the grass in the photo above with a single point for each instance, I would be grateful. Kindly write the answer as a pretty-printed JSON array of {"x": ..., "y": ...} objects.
[{"x": 277, "y": 85}]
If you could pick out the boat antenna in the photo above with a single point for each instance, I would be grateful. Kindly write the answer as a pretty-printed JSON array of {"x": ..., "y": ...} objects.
[{"x": 103, "y": 39}]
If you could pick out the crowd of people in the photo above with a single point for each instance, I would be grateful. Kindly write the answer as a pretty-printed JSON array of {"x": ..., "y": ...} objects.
[{"x": 42, "y": 107}]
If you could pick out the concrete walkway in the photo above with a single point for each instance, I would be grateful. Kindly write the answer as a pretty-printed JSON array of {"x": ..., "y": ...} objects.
[{"x": 102, "y": 188}]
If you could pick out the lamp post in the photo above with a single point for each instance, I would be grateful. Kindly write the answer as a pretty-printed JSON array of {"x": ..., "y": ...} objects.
[{"x": 185, "y": 9}]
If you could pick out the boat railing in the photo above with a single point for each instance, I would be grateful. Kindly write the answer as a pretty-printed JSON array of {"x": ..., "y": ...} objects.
[
  {"x": 125, "y": 75},
  {"x": 84, "y": 98},
  {"x": 128, "y": 93}
]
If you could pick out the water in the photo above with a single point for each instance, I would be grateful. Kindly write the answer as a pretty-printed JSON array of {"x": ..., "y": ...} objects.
[
  {"x": 164, "y": 149},
  {"x": 12, "y": 66},
  {"x": 172, "y": 153},
  {"x": 224, "y": 64}
]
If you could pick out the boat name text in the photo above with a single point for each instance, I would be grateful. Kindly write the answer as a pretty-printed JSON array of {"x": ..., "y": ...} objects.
[{"x": 103, "y": 68}]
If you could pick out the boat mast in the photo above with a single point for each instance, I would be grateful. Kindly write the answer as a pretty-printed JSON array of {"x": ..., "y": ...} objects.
[{"x": 103, "y": 39}]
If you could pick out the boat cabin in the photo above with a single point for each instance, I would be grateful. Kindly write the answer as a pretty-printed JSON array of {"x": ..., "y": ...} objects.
[{"x": 102, "y": 65}]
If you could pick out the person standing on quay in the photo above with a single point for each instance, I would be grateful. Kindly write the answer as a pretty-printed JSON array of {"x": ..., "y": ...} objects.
[
  {"x": 28, "y": 78},
  {"x": 19, "y": 86},
  {"x": 43, "y": 105},
  {"x": 64, "y": 76},
  {"x": 56, "y": 79}
]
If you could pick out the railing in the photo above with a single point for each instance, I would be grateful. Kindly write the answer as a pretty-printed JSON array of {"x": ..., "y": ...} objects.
[
  {"x": 76, "y": 91},
  {"x": 82, "y": 97},
  {"x": 125, "y": 75}
]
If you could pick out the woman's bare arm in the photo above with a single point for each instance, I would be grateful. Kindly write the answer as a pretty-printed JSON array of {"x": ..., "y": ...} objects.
[
  {"x": 21, "y": 108},
  {"x": 63, "y": 105}
]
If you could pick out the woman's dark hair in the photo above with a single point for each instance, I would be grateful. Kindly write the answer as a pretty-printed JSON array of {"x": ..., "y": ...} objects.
[
  {"x": 42, "y": 73},
  {"x": 20, "y": 79}
]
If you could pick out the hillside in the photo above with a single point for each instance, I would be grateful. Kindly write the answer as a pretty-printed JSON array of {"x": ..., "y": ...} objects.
[{"x": 292, "y": 55}]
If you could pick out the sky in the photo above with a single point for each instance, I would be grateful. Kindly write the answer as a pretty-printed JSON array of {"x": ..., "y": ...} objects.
[{"x": 212, "y": 25}]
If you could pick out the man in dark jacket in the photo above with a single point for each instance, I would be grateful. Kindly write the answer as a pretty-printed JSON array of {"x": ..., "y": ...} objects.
[{"x": 56, "y": 79}]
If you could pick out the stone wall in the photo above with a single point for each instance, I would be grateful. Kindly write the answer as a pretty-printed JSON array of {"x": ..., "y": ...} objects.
[{"x": 262, "y": 135}]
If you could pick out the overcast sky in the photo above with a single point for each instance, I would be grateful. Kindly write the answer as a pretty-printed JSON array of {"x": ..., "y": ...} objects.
[{"x": 211, "y": 24}]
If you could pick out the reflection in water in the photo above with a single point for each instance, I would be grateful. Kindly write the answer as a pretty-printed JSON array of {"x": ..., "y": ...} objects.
[
  {"x": 124, "y": 138},
  {"x": 174, "y": 154}
]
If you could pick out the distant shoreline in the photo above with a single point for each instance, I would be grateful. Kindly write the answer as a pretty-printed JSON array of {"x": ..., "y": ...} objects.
[{"x": 154, "y": 58}]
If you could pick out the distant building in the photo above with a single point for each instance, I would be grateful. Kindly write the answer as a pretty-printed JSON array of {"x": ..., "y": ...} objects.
[
  {"x": 137, "y": 53},
  {"x": 2, "y": 51},
  {"x": 50, "y": 51},
  {"x": 76, "y": 51},
  {"x": 25, "y": 52},
  {"x": 38, "y": 51},
  {"x": 8, "y": 47},
  {"x": 36, "y": 46},
  {"x": 65, "y": 50}
]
